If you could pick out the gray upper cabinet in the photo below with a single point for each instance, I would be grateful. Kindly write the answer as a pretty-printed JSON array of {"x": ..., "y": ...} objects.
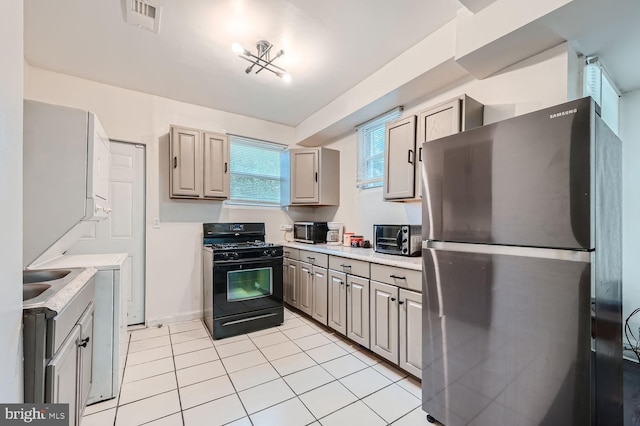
[
  {"x": 216, "y": 165},
  {"x": 199, "y": 164},
  {"x": 315, "y": 177},
  {"x": 404, "y": 139},
  {"x": 400, "y": 159},
  {"x": 445, "y": 119},
  {"x": 186, "y": 163}
]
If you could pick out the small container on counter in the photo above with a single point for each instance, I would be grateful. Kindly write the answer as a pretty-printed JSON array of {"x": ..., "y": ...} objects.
[
  {"x": 356, "y": 240},
  {"x": 347, "y": 239}
]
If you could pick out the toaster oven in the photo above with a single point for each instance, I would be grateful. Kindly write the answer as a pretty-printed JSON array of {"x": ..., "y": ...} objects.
[{"x": 402, "y": 240}]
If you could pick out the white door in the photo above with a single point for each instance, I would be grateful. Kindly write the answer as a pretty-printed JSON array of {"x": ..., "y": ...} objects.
[{"x": 123, "y": 231}]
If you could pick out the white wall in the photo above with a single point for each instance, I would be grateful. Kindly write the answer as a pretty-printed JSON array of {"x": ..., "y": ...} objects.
[
  {"x": 630, "y": 135},
  {"x": 173, "y": 279},
  {"x": 11, "y": 91},
  {"x": 532, "y": 84}
]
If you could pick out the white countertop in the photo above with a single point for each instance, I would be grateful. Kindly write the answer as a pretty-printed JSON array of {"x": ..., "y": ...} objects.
[
  {"x": 366, "y": 254},
  {"x": 101, "y": 262},
  {"x": 62, "y": 297}
]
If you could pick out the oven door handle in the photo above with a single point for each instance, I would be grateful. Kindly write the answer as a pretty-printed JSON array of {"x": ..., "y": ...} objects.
[{"x": 270, "y": 261}]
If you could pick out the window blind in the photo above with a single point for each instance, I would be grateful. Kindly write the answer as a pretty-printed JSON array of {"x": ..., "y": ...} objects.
[{"x": 255, "y": 170}]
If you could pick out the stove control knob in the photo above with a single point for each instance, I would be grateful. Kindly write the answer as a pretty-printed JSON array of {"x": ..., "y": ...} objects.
[{"x": 233, "y": 255}]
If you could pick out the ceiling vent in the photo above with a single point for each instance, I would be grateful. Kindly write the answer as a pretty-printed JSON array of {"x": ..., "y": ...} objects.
[{"x": 143, "y": 14}]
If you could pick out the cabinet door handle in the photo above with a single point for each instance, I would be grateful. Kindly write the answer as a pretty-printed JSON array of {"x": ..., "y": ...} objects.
[
  {"x": 348, "y": 285},
  {"x": 84, "y": 342},
  {"x": 346, "y": 266},
  {"x": 311, "y": 259},
  {"x": 397, "y": 277},
  {"x": 393, "y": 299},
  {"x": 225, "y": 167},
  {"x": 341, "y": 282},
  {"x": 286, "y": 253},
  {"x": 410, "y": 156},
  {"x": 420, "y": 154},
  {"x": 401, "y": 302},
  {"x": 316, "y": 176},
  {"x": 175, "y": 162}
]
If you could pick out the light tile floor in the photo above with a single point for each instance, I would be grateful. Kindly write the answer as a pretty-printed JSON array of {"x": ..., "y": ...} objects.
[{"x": 297, "y": 374}]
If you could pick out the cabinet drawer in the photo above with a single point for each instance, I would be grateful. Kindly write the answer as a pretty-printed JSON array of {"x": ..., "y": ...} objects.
[
  {"x": 314, "y": 258},
  {"x": 291, "y": 253},
  {"x": 350, "y": 266},
  {"x": 405, "y": 278}
]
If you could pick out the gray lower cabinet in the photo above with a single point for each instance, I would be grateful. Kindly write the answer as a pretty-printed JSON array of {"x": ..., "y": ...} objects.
[
  {"x": 337, "y": 306},
  {"x": 69, "y": 373},
  {"x": 383, "y": 314},
  {"x": 319, "y": 298},
  {"x": 305, "y": 287},
  {"x": 62, "y": 374},
  {"x": 290, "y": 281},
  {"x": 349, "y": 306},
  {"x": 358, "y": 310},
  {"x": 410, "y": 331}
]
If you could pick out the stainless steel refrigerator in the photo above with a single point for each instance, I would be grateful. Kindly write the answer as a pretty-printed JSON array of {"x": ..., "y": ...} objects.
[{"x": 522, "y": 296}]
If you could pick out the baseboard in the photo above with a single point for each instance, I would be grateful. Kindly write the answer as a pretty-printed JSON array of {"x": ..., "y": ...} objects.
[{"x": 173, "y": 319}]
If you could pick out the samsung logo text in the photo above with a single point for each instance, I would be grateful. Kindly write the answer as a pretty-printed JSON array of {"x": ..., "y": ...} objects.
[{"x": 563, "y": 113}]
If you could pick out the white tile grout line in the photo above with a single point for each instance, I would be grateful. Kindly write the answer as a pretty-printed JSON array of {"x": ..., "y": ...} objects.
[{"x": 175, "y": 373}]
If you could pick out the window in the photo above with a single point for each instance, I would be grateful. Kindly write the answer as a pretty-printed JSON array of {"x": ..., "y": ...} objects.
[
  {"x": 599, "y": 86},
  {"x": 371, "y": 137},
  {"x": 255, "y": 171}
]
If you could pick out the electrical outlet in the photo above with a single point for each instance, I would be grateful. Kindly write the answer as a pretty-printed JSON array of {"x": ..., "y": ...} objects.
[{"x": 286, "y": 227}]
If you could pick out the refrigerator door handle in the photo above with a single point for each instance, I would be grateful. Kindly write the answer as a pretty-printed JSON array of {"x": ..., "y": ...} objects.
[{"x": 543, "y": 253}]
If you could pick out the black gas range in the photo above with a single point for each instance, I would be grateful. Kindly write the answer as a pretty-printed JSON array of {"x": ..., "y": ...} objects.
[{"x": 242, "y": 279}]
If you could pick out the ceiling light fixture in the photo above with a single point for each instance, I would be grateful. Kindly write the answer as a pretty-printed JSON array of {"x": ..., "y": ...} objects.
[{"x": 262, "y": 60}]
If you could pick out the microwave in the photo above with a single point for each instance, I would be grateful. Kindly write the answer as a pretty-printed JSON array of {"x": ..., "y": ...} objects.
[
  {"x": 402, "y": 240},
  {"x": 310, "y": 232}
]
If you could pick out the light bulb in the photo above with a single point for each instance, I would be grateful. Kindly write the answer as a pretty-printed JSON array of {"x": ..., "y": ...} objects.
[
  {"x": 286, "y": 78},
  {"x": 237, "y": 48}
]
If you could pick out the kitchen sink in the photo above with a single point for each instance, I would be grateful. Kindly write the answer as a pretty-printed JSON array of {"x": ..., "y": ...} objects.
[
  {"x": 29, "y": 291},
  {"x": 38, "y": 286},
  {"x": 29, "y": 277}
]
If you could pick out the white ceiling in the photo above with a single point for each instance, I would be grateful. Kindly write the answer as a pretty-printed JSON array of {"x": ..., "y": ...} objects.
[{"x": 330, "y": 45}]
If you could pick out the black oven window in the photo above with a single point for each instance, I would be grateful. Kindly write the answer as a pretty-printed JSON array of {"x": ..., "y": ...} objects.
[{"x": 249, "y": 284}]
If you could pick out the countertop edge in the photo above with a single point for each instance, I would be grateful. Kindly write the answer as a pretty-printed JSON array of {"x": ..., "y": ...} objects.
[
  {"x": 102, "y": 261},
  {"x": 364, "y": 254},
  {"x": 62, "y": 298}
]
